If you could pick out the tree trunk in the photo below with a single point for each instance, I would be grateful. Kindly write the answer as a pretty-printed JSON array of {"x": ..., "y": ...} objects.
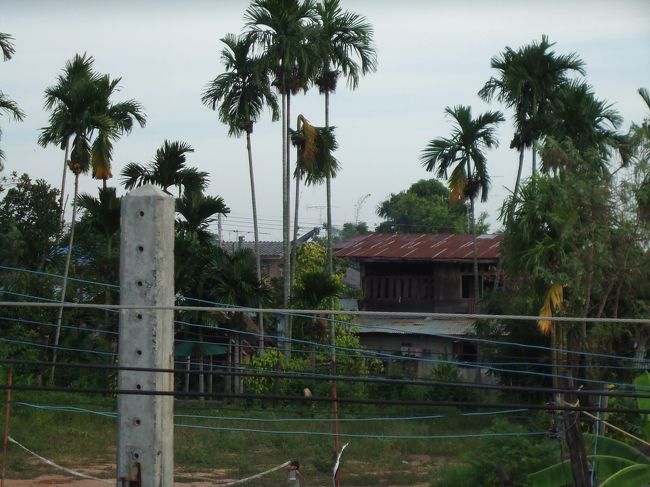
[
  {"x": 285, "y": 202},
  {"x": 260, "y": 316},
  {"x": 66, "y": 271},
  {"x": 65, "y": 170},
  {"x": 328, "y": 185},
  {"x": 294, "y": 257}
]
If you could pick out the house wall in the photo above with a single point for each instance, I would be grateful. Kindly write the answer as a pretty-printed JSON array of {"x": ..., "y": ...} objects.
[
  {"x": 423, "y": 350},
  {"x": 436, "y": 287}
]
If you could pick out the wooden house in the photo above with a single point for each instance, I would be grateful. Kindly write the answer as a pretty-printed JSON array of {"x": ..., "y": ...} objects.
[{"x": 428, "y": 273}]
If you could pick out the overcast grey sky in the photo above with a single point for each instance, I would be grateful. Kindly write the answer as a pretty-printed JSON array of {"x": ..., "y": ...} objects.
[{"x": 431, "y": 54}]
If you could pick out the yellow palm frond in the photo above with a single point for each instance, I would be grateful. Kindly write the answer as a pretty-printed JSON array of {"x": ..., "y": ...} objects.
[
  {"x": 310, "y": 148},
  {"x": 553, "y": 301}
]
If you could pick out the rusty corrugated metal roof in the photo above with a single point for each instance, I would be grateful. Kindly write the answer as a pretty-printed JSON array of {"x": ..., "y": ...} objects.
[{"x": 420, "y": 246}]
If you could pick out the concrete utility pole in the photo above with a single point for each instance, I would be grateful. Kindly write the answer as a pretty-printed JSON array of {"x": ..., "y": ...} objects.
[{"x": 145, "y": 422}]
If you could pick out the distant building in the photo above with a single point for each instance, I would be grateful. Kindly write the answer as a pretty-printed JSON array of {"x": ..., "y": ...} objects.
[
  {"x": 432, "y": 273},
  {"x": 271, "y": 252}
]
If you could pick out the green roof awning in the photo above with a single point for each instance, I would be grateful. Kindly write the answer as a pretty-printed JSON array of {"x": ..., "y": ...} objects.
[{"x": 183, "y": 349}]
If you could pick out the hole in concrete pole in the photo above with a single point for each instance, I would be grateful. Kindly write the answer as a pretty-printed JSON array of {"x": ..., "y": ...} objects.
[
  {"x": 136, "y": 455},
  {"x": 138, "y": 386},
  {"x": 139, "y": 316},
  {"x": 137, "y": 422},
  {"x": 140, "y": 283},
  {"x": 140, "y": 248},
  {"x": 139, "y": 352},
  {"x": 141, "y": 213}
]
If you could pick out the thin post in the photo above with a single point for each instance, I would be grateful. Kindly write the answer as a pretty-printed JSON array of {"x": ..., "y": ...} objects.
[
  {"x": 145, "y": 422},
  {"x": 5, "y": 437},
  {"x": 335, "y": 402}
]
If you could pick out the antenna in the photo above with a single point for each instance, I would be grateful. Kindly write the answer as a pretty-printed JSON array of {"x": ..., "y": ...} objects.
[{"x": 359, "y": 205}]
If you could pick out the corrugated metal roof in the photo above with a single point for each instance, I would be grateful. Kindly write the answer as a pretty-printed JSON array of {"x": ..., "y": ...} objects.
[
  {"x": 266, "y": 248},
  {"x": 425, "y": 326},
  {"x": 420, "y": 246}
]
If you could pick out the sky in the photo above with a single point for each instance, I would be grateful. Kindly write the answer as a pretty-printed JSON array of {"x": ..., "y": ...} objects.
[{"x": 431, "y": 54}]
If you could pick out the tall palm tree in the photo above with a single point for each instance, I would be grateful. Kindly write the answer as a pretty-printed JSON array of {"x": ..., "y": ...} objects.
[
  {"x": 464, "y": 155},
  {"x": 168, "y": 168},
  {"x": 241, "y": 93},
  {"x": 527, "y": 80},
  {"x": 7, "y": 105},
  {"x": 282, "y": 28},
  {"x": 345, "y": 46},
  {"x": 68, "y": 103}
]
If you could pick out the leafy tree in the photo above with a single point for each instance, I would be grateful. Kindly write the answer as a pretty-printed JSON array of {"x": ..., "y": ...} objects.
[
  {"x": 345, "y": 46},
  {"x": 282, "y": 28},
  {"x": 7, "y": 105},
  {"x": 463, "y": 154},
  {"x": 425, "y": 207},
  {"x": 29, "y": 225},
  {"x": 167, "y": 169},
  {"x": 526, "y": 82},
  {"x": 28, "y": 222}
]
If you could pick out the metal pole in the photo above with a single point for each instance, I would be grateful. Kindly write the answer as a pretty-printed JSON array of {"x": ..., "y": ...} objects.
[
  {"x": 145, "y": 423},
  {"x": 5, "y": 438}
]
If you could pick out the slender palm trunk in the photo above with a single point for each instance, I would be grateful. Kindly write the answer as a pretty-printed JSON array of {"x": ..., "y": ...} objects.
[
  {"x": 328, "y": 185},
  {"x": 65, "y": 170},
  {"x": 290, "y": 260},
  {"x": 260, "y": 316},
  {"x": 294, "y": 254},
  {"x": 66, "y": 271},
  {"x": 515, "y": 191},
  {"x": 285, "y": 206},
  {"x": 330, "y": 272}
]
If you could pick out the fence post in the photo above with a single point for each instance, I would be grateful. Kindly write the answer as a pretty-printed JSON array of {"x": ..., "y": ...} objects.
[{"x": 145, "y": 422}]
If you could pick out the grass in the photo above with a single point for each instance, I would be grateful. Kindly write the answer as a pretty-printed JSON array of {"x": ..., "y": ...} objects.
[{"x": 78, "y": 440}]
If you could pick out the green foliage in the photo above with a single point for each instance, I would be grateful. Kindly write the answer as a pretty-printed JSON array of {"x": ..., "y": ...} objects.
[
  {"x": 425, "y": 208},
  {"x": 500, "y": 460},
  {"x": 616, "y": 465},
  {"x": 28, "y": 222}
]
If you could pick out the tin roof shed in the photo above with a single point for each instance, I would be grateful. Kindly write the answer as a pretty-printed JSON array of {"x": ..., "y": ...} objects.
[{"x": 419, "y": 246}]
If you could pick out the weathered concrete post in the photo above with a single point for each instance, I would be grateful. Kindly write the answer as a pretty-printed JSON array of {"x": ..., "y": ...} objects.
[{"x": 145, "y": 422}]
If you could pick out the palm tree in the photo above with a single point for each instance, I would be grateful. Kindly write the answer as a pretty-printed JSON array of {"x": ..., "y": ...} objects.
[
  {"x": 528, "y": 78},
  {"x": 576, "y": 115},
  {"x": 111, "y": 121},
  {"x": 345, "y": 46},
  {"x": 241, "y": 93},
  {"x": 68, "y": 104},
  {"x": 167, "y": 169},
  {"x": 198, "y": 212},
  {"x": 7, "y": 105},
  {"x": 282, "y": 28},
  {"x": 464, "y": 154},
  {"x": 314, "y": 162},
  {"x": 81, "y": 108}
]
